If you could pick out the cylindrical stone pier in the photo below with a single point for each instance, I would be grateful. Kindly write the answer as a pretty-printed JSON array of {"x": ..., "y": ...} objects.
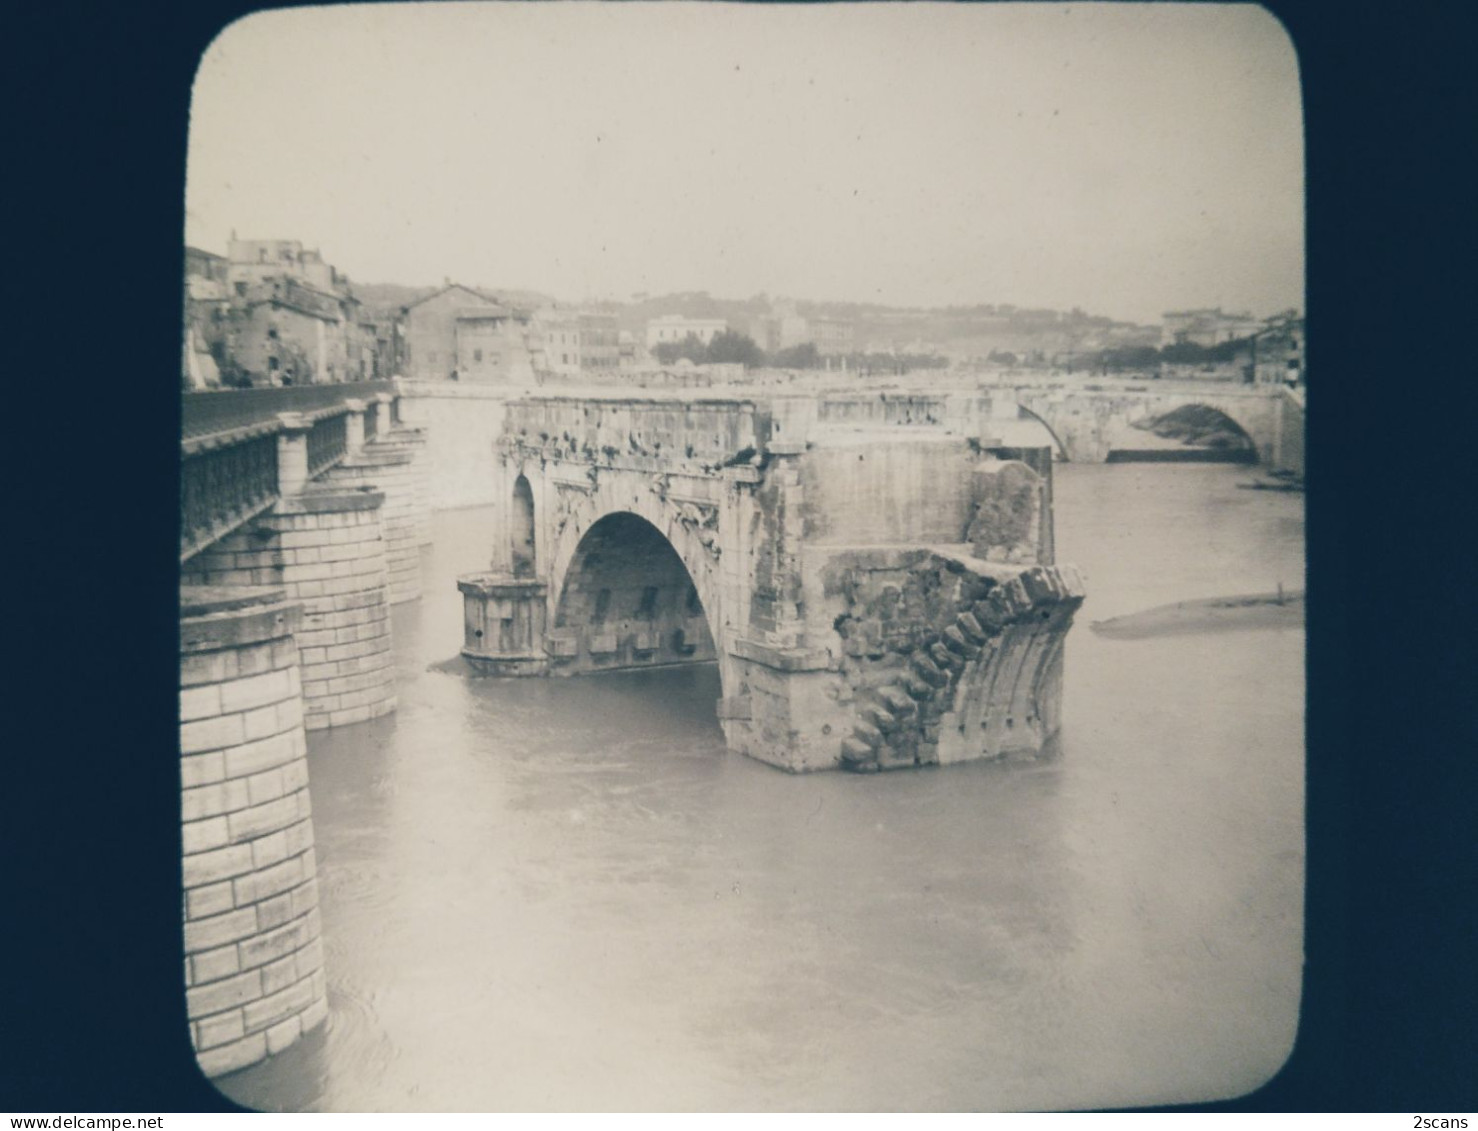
[
  {"x": 324, "y": 548},
  {"x": 416, "y": 478},
  {"x": 253, "y": 956},
  {"x": 388, "y": 468}
]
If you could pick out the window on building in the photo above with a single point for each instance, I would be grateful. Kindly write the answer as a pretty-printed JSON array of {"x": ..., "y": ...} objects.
[
  {"x": 272, "y": 332},
  {"x": 477, "y": 355},
  {"x": 271, "y": 365},
  {"x": 241, "y": 289}
]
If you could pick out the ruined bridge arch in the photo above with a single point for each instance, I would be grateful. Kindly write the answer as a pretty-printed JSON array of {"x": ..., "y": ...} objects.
[
  {"x": 875, "y": 595},
  {"x": 634, "y": 586}
]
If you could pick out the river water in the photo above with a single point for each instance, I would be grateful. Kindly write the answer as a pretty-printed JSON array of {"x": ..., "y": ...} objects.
[{"x": 566, "y": 894}]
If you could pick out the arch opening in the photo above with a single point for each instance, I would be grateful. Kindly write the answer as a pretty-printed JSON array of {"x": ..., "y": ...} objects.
[
  {"x": 628, "y": 601},
  {"x": 1190, "y": 432},
  {"x": 1030, "y": 430},
  {"x": 521, "y": 527}
]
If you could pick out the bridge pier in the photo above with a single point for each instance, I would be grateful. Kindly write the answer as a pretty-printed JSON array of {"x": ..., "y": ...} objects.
[
  {"x": 253, "y": 955},
  {"x": 504, "y": 624},
  {"x": 324, "y": 547},
  {"x": 387, "y": 470}
]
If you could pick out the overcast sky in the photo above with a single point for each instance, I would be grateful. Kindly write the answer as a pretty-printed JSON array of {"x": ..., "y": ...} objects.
[{"x": 1127, "y": 159}]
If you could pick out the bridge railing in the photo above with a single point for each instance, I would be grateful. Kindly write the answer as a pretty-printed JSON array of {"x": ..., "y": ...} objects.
[
  {"x": 224, "y": 485},
  {"x": 328, "y": 440},
  {"x": 230, "y": 469},
  {"x": 223, "y": 410}
]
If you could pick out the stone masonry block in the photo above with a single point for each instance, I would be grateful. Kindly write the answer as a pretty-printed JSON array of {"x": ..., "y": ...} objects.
[
  {"x": 928, "y": 671},
  {"x": 260, "y": 722},
  {"x": 261, "y": 819},
  {"x": 218, "y": 930},
  {"x": 298, "y": 838},
  {"x": 213, "y": 965},
  {"x": 274, "y": 912},
  {"x": 266, "y": 786},
  {"x": 279, "y": 975},
  {"x": 212, "y": 899},
  {"x": 946, "y": 659},
  {"x": 230, "y": 1057},
  {"x": 211, "y": 734},
  {"x": 282, "y": 1035},
  {"x": 199, "y": 702},
  {"x": 264, "y": 754},
  {"x": 202, "y": 836},
  {"x": 269, "y": 849},
  {"x": 272, "y": 1009},
  {"x": 211, "y": 800},
  {"x": 253, "y": 660},
  {"x": 304, "y": 898},
  {"x": 971, "y": 628},
  {"x": 221, "y": 864},
  {"x": 218, "y": 1029},
  {"x": 957, "y": 641},
  {"x": 269, "y": 881},
  {"x": 310, "y": 958},
  {"x": 272, "y": 945},
  {"x": 1039, "y": 586},
  {"x": 207, "y": 667},
  {"x": 256, "y": 691}
]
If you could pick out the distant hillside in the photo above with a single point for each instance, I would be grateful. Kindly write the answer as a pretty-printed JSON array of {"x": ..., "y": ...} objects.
[{"x": 964, "y": 331}]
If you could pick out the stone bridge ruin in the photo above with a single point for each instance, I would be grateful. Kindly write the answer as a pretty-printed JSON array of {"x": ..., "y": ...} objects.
[{"x": 877, "y": 587}]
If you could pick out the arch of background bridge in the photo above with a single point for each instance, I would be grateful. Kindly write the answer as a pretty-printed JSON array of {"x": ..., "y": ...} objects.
[
  {"x": 1056, "y": 440},
  {"x": 1108, "y": 413},
  {"x": 702, "y": 573},
  {"x": 1226, "y": 419}
]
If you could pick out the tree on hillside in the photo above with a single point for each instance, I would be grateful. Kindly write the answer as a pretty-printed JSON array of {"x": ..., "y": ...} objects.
[
  {"x": 730, "y": 347},
  {"x": 803, "y": 356},
  {"x": 691, "y": 347}
]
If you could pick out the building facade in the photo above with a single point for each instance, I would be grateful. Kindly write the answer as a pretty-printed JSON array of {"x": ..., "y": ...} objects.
[
  {"x": 676, "y": 328},
  {"x": 600, "y": 341},
  {"x": 1279, "y": 351},
  {"x": 833, "y": 337},
  {"x": 271, "y": 312},
  {"x": 283, "y": 332},
  {"x": 426, "y": 331},
  {"x": 1207, "y": 327},
  {"x": 558, "y": 336},
  {"x": 492, "y": 347}
]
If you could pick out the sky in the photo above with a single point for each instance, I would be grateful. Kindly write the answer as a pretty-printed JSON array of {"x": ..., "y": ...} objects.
[{"x": 1127, "y": 159}]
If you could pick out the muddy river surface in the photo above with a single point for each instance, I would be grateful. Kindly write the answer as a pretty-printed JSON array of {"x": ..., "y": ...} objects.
[{"x": 565, "y": 894}]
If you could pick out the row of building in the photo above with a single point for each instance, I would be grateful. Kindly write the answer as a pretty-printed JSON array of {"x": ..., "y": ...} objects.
[
  {"x": 271, "y": 312},
  {"x": 1272, "y": 349}
]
